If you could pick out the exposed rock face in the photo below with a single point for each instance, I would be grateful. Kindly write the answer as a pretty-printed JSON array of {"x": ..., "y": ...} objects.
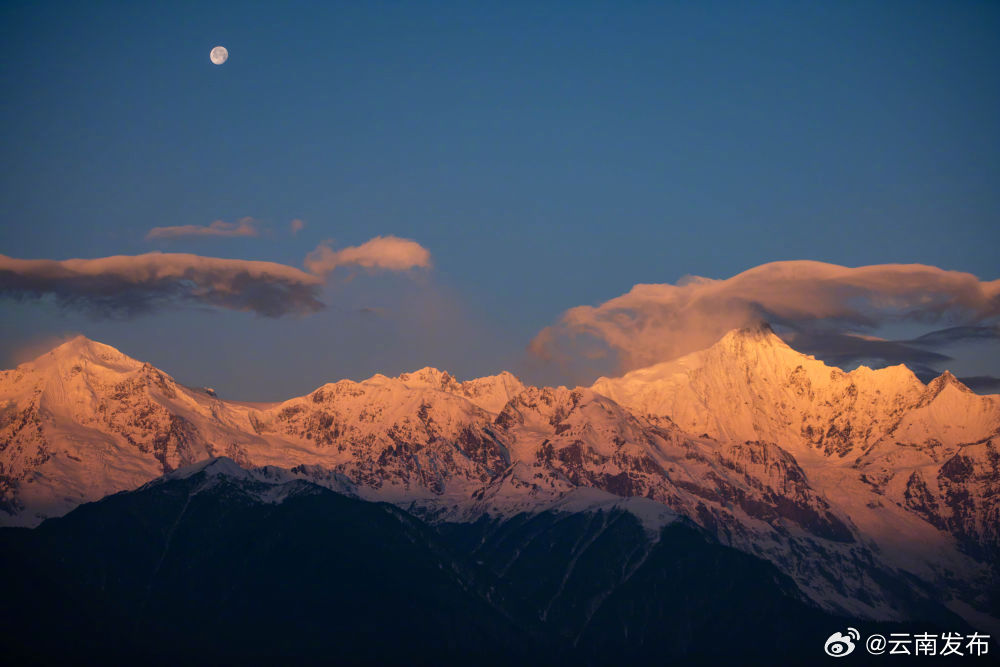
[
  {"x": 842, "y": 480},
  {"x": 195, "y": 565},
  {"x": 913, "y": 444}
]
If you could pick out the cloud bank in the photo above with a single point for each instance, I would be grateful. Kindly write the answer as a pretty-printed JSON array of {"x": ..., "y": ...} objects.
[
  {"x": 243, "y": 227},
  {"x": 821, "y": 307},
  {"x": 388, "y": 253},
  {"x": 128, "y": 285}
]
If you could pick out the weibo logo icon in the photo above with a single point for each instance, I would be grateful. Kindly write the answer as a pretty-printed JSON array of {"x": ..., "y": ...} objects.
[{"x": 839, "y": 644}]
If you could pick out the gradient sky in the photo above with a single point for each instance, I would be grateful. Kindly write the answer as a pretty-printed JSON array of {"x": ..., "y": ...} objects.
[{"x": 547, "y": 154}]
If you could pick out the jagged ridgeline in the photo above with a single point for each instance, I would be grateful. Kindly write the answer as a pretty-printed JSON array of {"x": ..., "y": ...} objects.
[{"x": 873, "y": 495}]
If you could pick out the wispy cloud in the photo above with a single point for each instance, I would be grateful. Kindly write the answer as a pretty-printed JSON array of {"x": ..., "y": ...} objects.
[
  {"x": 945, "y": 337},
  {"x": 844, "y": 348},
  {"x": 127, "y": 285},
  {"x": 388, "y": 253},
  {"x": 243, "y": 227},
  {"x": 981, "y": 383},
  {"x": 824, "y": 305},
  {"x": 296, "y": 226}
]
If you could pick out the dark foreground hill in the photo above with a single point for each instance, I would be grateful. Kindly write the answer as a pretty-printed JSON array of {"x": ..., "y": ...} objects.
[{"x": 217, "y": 567}]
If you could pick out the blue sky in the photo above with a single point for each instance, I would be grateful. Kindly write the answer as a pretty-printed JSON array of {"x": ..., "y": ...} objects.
[{"x": 546, "y": 154}]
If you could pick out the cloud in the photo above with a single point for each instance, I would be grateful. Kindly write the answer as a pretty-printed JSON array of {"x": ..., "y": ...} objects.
[
  {"x": 945, "y": 337},
  {"x": 822, "y": 304},
  {"x": 845, "y": 349},
  {"x": 388, "y": 253},
  {"x": 243, "y": 227},
  {"x": 296, "y": 226},
  {"x": 127, "y": 285},
  {"x": 982, "y": 384}
]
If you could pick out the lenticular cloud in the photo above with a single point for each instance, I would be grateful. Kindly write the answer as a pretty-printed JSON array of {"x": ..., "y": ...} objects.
[{"x": 653, "y": 323}]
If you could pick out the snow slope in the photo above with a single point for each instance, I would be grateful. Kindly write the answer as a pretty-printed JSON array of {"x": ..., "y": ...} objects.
[{"x": 845, "y": 481}]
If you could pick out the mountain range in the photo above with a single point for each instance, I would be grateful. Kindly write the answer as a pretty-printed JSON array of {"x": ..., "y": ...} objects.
[
  {"x": 215, "y": 564},
  {"x": 864, "y": 494}
]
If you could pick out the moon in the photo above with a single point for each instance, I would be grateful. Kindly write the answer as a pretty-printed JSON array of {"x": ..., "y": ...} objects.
[{"x": 219, "y": 55}]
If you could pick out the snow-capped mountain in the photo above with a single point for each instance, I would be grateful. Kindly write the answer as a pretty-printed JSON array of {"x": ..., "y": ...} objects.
[
  {"x": 196, "y": 565},
  {"x": 752, "y": 386},
  {"x": 84, "y": 420},
  {"x": 848, "y": 482},
  {"x": 932, "y": 449}
]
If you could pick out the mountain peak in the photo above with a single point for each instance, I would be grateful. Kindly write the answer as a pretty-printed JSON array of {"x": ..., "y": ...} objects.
[
  {"x": 75, "y": 345},
  {"x": 757, "y": 334},
  {"x": 761, "y": 328},
  {"x": 429, "y": 376},
  {"x": 946, "y": 379},
  {"x": 214, "y": 467},
  {"x": 80, "y": 348},
  {"x": 490, "y": 393},
  {"x": 738, "y": 346}
]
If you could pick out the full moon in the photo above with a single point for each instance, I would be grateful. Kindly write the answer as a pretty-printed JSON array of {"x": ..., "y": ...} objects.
[{"x": 219, "y": 55}]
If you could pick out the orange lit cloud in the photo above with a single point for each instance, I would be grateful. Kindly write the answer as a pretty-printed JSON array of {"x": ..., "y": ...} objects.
[
  {"x": 388, "y": 253},
  {"x": 653, "y": 323}
]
